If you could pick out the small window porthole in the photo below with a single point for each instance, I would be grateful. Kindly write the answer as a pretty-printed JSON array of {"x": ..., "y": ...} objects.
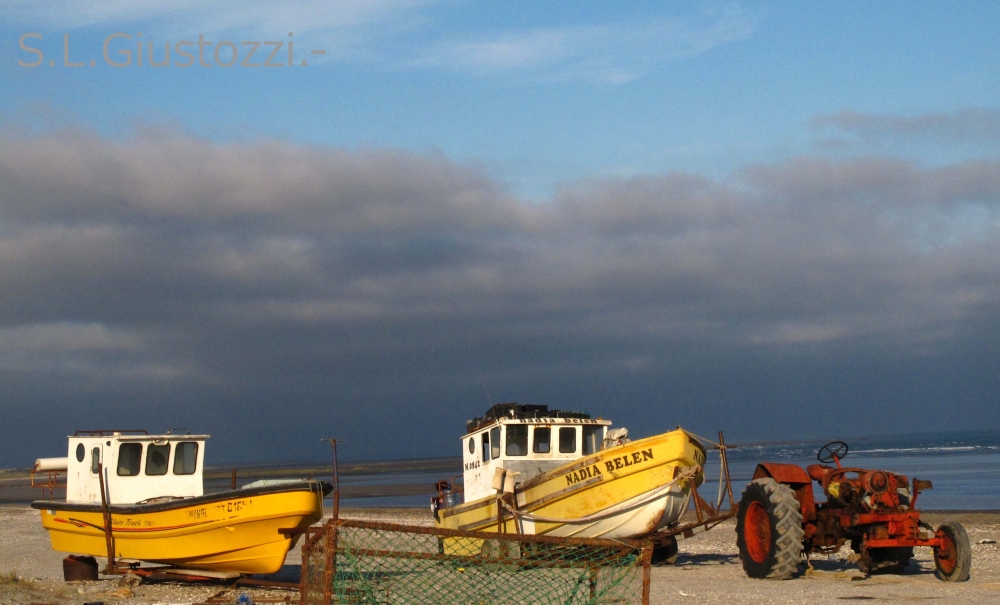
[
  {"x": 80, "y": 452},
  {"x": 472, "y": 445}
]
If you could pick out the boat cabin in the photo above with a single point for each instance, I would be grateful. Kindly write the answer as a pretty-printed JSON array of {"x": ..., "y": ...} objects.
[
  {"x": 138, "y": 467},
  {"x": 527, "y": 439}
]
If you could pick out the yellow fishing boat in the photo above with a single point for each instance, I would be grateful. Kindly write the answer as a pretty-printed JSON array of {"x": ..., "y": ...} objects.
[
  {"x": 566, "y": 474},
  {"x": 153, "y": 496}
]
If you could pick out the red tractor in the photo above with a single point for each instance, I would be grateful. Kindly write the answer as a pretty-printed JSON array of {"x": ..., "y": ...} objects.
[{"x": 779, "y": 520}]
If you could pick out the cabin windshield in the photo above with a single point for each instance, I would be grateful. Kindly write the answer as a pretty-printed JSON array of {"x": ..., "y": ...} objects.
[
  {"x": 543, "y": 440},
  {"x": 129, "y": 456},
  {"x": 186, "y": 458},
  {"x": 156, "y": 459},
  {"x": 495, "y": 442},
  {"x": 567, "y": 440},
  {"x": 592, "y": 439},
  {"x": 517, "y": 440}
]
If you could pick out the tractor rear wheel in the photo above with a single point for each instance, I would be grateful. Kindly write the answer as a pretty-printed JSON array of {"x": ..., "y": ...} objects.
[
  {"x": 769, "y": 530},
  {"x": 953, "y": 559}
]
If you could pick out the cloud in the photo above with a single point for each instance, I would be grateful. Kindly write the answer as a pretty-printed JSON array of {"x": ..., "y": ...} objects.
[
  {"x": 613, "y": 53},
  {"x": 267, "y": 287},
  {"x": 63, "y": 337},
  {"x": 973, "y": 124}
]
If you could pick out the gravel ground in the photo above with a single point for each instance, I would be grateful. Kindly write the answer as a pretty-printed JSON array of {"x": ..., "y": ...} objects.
[{"x": 708, "y": 571}]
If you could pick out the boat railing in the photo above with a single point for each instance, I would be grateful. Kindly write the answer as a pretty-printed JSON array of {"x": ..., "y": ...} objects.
[{"x": 48, "y": 482}]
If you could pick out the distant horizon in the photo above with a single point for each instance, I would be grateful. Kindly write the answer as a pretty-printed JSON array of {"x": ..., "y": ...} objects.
[{"x": 322, "y": 464}]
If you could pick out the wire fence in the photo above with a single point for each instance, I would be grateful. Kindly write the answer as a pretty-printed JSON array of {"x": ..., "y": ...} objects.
[{"x": 381, "y": 563}]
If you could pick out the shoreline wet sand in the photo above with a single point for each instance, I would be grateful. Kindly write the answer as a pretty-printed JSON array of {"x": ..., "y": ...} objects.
[{"x": 708, "y": 570}]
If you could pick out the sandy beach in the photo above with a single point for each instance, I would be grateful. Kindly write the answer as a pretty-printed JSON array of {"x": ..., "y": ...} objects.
[{"x": 707, "y": 571}]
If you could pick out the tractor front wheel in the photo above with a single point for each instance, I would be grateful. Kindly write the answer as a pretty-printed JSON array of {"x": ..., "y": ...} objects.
[
  {"x": 769, "y": 530},
  {"x": 953, "y": 559}
]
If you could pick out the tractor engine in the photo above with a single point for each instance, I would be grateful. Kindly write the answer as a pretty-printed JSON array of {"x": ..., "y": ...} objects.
[{"x": 870, "y": 491}]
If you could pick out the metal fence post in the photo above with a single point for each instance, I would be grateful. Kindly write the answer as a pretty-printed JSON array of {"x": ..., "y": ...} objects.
[
  {"x": 328, "y": 570},
  {"x": 647, "y": 558}
]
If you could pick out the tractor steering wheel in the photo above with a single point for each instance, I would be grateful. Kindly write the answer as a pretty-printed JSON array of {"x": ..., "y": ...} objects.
[{"x": 832, "y": 450}]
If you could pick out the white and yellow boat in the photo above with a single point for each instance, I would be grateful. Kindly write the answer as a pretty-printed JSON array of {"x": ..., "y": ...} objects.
[
  {"x": 159, "y": 513},
  {"x": 568, "y": 475}
]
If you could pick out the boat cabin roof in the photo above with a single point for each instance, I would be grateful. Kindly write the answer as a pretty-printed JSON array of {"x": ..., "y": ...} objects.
[{"x": 528, "y": 414}]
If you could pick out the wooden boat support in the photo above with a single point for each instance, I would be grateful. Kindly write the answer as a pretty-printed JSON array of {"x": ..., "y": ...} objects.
[{"x": 708, "y": 515}]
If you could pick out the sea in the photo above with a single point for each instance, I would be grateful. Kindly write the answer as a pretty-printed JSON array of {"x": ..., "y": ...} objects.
[{"x": 963, "y": 466}]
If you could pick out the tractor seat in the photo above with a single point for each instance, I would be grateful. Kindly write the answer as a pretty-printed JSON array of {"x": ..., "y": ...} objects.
[{"x": 817, "y": 471}]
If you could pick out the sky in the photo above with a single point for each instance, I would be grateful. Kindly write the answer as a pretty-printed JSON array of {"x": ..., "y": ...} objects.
[{"x": 776, "y": 219}]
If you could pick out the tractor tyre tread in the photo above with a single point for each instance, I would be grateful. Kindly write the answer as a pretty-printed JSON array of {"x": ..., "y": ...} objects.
[
  {"x": 963, "y": 548},
  {"x": 786, "y": 513}
]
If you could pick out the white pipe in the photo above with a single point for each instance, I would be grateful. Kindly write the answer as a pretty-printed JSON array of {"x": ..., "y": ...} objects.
[{"x": 51, "y": 464}]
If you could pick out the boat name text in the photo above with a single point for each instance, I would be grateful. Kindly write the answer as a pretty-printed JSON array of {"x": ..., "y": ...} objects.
[
  {"x": 612, "y": 465},
  {"x": 198, "y": 513},
  {"x": 557, "y": 421},
  {"x": 128, "y": 522},
  {"x": 629, "y": 459},
  {"x": 234, "y": 506}
]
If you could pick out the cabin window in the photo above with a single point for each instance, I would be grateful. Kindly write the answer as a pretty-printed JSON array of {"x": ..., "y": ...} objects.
[
  {"x": 95, "y": 460},
  {"x": 472, "y": 445},
  {"x": 129, "y": 457},
  {"x": 186, "y": 458},
  {"x": 592, "y": 439},
  {"x": 156, "y": 459},
  {"x": 81, "y": 452},
  {"x": 567, "y": 440},
  {"x": 517, "y": 440},
  {"x": 495, "y": 443},
  {"x": 486, "y": 447},
  {"x": 543, "y": 440}
]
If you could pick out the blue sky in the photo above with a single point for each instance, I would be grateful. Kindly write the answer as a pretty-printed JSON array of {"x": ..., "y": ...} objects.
[
  {"x": 539, "y": 93},
  {"x": 767, "y": 218}
]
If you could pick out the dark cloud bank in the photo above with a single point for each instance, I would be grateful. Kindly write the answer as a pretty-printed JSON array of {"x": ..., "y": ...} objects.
[{"x": 274, "y": 294}]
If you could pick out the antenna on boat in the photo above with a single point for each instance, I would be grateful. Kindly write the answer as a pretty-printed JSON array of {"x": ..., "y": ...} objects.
[{"x": 488, "y": 398}]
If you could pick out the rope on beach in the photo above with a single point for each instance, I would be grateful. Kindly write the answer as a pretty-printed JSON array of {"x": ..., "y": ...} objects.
[{"x": 688, "y": 473}]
